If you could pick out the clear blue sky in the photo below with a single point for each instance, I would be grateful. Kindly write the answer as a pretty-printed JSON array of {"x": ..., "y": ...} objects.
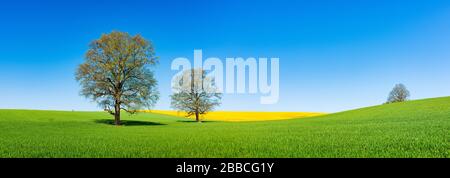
[{"x": 334, "y": 55}]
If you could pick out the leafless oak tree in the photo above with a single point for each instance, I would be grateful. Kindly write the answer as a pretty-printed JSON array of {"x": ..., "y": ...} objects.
[
  {"x": 398, "y": 94},
  {"x": 194, "y": 93}
]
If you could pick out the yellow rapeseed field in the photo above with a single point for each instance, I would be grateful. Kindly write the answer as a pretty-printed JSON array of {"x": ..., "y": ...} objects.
[{"x": 233, "y": 116}]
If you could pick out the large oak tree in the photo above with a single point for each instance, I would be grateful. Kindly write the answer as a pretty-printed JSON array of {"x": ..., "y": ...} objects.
[{"x": 116, "y": 73}]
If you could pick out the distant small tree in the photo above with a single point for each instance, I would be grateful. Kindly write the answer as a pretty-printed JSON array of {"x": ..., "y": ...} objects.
[
  {"x": 398, "y": 94},
  {"x": 116, "y": 73},
  {"x": 194, "y": 93}
]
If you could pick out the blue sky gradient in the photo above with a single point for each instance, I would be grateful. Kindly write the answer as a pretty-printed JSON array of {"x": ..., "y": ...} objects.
[{"x": 334, "y": 55}]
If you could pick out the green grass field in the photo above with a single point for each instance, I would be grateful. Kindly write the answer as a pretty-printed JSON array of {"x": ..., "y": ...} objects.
[{"x": 412, "y": 129}]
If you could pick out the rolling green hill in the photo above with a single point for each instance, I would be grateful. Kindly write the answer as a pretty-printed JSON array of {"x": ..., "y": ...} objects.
[{"x": 412, "y": 129}]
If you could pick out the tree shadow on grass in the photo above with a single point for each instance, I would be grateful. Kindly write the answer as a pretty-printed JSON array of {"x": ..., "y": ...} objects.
[
  {"x": 189, "y": 121},
  {"x": 128, "y": 123}
]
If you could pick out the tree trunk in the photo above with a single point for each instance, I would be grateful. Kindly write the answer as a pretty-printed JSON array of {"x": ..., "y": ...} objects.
[
  {"x": 197, "y": 117},
  {"x": 117, "y": 115}
]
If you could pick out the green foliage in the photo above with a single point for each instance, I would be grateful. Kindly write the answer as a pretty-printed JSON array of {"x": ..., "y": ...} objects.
[
  {"x": 409, "y": 129},
  {"x": 116, "y": 73}
]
